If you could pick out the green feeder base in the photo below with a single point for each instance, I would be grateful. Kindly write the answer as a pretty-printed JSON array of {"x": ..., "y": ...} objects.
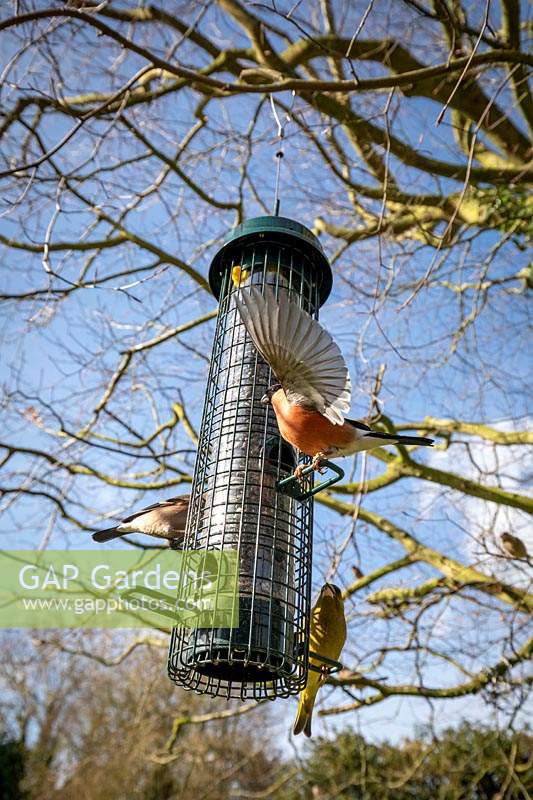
[{"x": 291, "y": 486}]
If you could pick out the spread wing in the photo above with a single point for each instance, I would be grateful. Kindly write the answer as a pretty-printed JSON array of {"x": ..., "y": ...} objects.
[{"x": 300, "y": 352}]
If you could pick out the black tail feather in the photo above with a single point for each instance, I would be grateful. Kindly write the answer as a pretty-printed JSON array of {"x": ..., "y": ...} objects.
[
  {"x": 107, "y": 535},
  {"x": 421, "y": 440}
]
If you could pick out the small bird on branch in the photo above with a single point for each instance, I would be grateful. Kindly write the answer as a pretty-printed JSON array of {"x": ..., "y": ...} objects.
[
  {"x": 514, "y": 546},
  {"x": 164, "y": 520}
]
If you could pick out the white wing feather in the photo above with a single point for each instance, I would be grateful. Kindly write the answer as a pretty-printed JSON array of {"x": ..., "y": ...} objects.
[{"x": 300, "y": 352}]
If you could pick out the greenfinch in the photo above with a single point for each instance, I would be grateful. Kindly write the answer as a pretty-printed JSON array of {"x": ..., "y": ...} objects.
[
  {"x": 239, "y": 275},
  {"x": 326, "y": 638}
]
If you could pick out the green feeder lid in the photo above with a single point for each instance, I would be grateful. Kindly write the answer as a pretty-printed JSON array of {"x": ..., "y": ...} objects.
[{"x": 280, "y": 230}]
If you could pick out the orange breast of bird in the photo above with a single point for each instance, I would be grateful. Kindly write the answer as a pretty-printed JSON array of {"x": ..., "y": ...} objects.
[{"x": 308, "y": 430}]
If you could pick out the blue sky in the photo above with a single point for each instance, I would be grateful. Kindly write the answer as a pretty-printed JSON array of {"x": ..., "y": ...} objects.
[{"x": 64, "y": 352}]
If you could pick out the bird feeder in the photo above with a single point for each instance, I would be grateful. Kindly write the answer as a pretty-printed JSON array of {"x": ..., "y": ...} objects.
[{"x": 238, "y": 501}]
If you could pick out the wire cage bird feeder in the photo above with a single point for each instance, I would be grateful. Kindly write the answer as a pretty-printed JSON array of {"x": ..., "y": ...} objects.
[{"x": 236, "y": 500}]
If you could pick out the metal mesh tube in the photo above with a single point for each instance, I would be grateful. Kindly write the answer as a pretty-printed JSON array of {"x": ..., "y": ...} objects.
[{"x": 235, "y": 503}]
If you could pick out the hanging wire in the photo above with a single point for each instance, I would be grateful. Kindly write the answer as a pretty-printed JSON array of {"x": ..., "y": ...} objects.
[
  {"x": 279, "y": 156},
  {"x": 280, "y": 153}
]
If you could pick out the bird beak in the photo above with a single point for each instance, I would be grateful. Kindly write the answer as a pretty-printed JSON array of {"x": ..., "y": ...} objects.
[{"x": 265, "y": 400}]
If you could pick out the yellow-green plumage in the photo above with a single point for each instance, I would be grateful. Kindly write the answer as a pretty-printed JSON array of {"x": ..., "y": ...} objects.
[
  {"x": 327, "y": 637},
  {"x": 239, "y": 276}
]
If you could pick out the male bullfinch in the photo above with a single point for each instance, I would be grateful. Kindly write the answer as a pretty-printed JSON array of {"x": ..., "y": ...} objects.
[{"x": 314, "y": 390}]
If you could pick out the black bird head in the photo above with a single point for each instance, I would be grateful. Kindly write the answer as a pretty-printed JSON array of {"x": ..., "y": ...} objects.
[{"x": 267, "y": 397}]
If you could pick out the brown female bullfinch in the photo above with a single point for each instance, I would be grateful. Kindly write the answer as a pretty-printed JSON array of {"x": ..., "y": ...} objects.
[{"x": 165, "y": 519}]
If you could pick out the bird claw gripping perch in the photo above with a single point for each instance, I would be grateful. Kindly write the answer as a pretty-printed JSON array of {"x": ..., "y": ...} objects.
[
  {"x": 292, "y": 487},
  {"x": 318, "y": 462},
  {"x": 327, "y": 667}
]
